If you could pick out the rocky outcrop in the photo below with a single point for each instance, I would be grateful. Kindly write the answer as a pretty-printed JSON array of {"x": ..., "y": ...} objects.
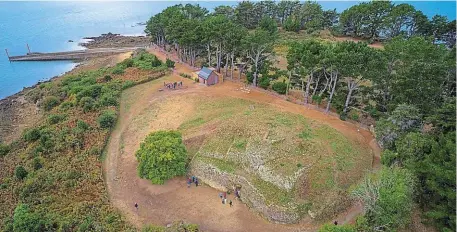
[{"x": 249, "y": 194}]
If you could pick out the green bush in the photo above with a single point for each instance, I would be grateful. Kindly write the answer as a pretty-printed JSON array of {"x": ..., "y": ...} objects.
[
  {"x": 107, "y": 78},
  {"x": 337, "y": 228},
  {"x": 80, "y": 124},
  {"x": 162, "y": 156},
  {"x": 354, "y": 115},
  {"x": 128, "y": 84},
  {"x": 291, "y": 25},
  {"x": 4, "y": 149},
  {"x": 264, "y": 82},
  {"x": 279, "y": 87},
  {"x": 317, "y": 99},
  {"x": 55, "y": 118},
  {"x": 127, "y": 63},
  {"x": 50, "y": 102},
  {"x": 118, "y": 70},
  {"x": 32, "y": 135},
  {"x": 87, "y": 103},
  {"x": 66, "y": 105},
  {"x": 36, "y": 163},
  {"x": 145, "y": 60},
  {"x": 107, "y": 119},
  {"x": 109, "y": 99},
  {"x": 24, "y": 220},
  {"x": 20, "y": 172},
  {"x": 170, "y": 63}
]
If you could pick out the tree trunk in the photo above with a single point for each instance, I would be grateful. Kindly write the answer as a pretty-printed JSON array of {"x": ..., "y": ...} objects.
[
  {"x": 335, "y": 80},
  {"x": 310, "y": 79},
  {"x": 315, "y": 88},
  {"x": 326, "y": 84},
  {"x": 226, "y": 64},
  {"x": 288, "y": 83},
  {"x": 209, "y": 54},
  {"x": 256, "y": 63},
  {"x": 352, "y": 85},
  {"x": 232, "y": 66}
]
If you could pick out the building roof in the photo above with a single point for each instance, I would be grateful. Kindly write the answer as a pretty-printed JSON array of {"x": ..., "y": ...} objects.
[{"x": 204, "y": 73}]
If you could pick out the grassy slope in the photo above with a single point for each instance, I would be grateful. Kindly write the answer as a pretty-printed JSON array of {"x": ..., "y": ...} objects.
[
  {"x": 242, "y": 135},
  {"x": 67, "y": 192}
]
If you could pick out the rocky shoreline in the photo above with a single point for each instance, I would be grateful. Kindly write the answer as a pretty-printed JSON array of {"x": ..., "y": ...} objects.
[
  {"x": 17, "y": 112},
  {"x": 111, "y": 40}
]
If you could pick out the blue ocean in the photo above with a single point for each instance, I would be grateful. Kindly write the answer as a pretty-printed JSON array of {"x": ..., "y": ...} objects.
[{"x": 48, "y": 26}]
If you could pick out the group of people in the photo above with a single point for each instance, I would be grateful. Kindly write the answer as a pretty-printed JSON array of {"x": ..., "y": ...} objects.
[
  {"x": 172, "y": 85},
  {"x": 223, "y": 197},
  {"x": 191, "y": 180}
]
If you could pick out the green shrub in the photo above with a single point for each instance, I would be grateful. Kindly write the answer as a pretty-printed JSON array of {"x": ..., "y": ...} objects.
[
  {"x": 127, "y": 63},
  {"x": 36, "y": 163},
  {"x": 354, "y": 116},
  {"x": 128, "y": 84},
  {"x": 337, "y": 228},
  {"x": 55, "y": 118},
  {"x": 4, "y": 149},
  {"x": 25, "y": 220},
  {"x": 107, "y": 78},
  {"x": 279, "y": 87},
  {"x": 32, "y": 135},
  {"x": 47, "y": 139},
  {"x": 170, "y": 63},
  {"x": 66, "y": 105},
  {"x": 87, "y": 103},
  {"x": 80, "y": 124},
  {"x": 317, "y": 99},
  {"x": 20, "y": 172},
  {"x": 50, "y": 102},
  {"x": 291, "y": 25},
  {"x": 89, "y": 91},
  {"x": 109, "y": 99},
  {"x": 107, "y": 119},
  {"x": 118, "y": 70},
  {"x": 264, "y": 82},
  {"x": 162, "y": 156}
]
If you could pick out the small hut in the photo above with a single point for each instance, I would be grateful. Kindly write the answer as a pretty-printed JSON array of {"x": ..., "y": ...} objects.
[{"x": 207, "y": 76}]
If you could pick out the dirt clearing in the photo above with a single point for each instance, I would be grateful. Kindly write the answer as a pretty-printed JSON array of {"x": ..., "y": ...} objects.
[{"x": 145, "y": 109}]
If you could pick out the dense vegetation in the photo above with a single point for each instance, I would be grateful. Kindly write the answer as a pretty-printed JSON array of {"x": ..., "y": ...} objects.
[
  {"x": 51, "y": 178},
  {"x": 408, "y": 87},
  {"x": 162, "y": 156}
]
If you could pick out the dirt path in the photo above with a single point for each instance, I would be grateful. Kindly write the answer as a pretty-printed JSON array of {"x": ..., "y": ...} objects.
[{"x": 143, "y": 111}]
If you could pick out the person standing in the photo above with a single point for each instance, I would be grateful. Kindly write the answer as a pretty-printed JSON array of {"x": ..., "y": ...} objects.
[
  {"x": 136, "y": 206},
  {"x": 196, "y": 182},
  {"x": 189, "y": 181},
  {"x": 231, "y": 203}
]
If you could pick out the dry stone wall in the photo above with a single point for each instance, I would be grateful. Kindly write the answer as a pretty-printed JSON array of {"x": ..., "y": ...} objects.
[{"x": 250, "y": 195}]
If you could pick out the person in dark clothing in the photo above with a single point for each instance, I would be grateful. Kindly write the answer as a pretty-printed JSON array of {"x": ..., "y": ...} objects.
[
  {"x": 196, "y": 182},
  {"x": 335, "y": 223},
  {"x": 136, "y": 206},
  {"x": 231, "y": 203}
]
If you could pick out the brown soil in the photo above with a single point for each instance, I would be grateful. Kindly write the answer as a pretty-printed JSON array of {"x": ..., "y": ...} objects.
[{"x": 146, "y": 108}]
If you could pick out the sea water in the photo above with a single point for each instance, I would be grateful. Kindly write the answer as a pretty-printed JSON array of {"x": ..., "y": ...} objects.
[{"x": 48, "y": 26}]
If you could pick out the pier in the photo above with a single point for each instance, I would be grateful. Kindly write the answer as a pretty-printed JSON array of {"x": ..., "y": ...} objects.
[{"x": 70, "y": 55}]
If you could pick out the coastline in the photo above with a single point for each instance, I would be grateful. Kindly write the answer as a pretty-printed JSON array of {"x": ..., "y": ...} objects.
[{"x": 17, "y": 112}]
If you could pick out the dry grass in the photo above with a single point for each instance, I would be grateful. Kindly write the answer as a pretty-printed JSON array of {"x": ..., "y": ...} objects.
[{"x": 273, "y": 149}]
